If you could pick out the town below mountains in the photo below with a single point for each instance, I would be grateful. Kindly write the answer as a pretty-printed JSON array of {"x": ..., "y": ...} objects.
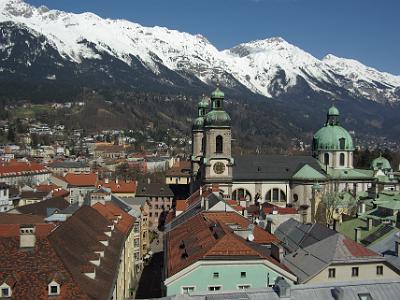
[{"x": 55, "y": 56}]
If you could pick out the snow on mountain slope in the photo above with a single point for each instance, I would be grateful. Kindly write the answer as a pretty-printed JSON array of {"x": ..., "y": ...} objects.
[{"x": 269, "y": 67}]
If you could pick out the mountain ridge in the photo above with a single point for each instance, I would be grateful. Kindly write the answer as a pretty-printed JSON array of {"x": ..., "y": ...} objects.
[{"x": 269, "y": 67}]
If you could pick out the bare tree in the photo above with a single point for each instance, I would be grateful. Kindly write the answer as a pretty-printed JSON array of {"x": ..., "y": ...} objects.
[{"x": 337, "y": 203}]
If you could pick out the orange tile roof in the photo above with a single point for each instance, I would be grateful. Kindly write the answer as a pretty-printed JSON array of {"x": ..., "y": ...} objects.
[
  {"x": 12, "y": 230},
  {"x": 206, "y": 236},
  {"x": 19, "y": 168},
  {"x": 110, "y": 211},
  {"x": 7, "y": 218},
  {"x": 120, "y": 187},
  {"x": 260, "y": 235},
  {"x": 181, "y": 205},
  {"x": 46, "y": 187},
  {"x": 81, "y": 179}
]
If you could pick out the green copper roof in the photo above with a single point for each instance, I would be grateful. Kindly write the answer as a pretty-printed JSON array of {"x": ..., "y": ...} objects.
[
  {"x": 217, "y": 94},
  {"x": 333, "y": 111},
  {"x": 329, "y": 138},
  {"x": 308, "y": 173},
  {"x": 198, "y": 123},
  {"x": 203, "y": 103},
  {"x": 217, "y": 118},
  {"x": 350, "y": 173},
  {"x": 380, "y": 163}
]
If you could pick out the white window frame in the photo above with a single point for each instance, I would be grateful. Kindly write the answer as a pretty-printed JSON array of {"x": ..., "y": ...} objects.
[
  {"x": 187, "y": 287},
  {"x": 243, "y": 284},
  {"x": 53, "y": 284},
  {"x": 5, "y": 286},
  {"x": 214, "y": 286}
]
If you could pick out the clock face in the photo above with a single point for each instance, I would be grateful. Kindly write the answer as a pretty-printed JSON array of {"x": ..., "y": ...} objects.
[{"x": 219, "y": 168}]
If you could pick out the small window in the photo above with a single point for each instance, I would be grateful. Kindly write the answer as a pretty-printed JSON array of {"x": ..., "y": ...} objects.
[
  {"x": 354, "y": 272},
  {"x": 187, "y": 289},
  {"x": 342, "y": 159},
  {"x": 342, "y": 143},
  {"x": 243, "y": 274},
  {"x": 365, "y": 296},
  {"x": 214, "y": 288},
  {"x": 326, "y": 158},
  {"x": 243, "y": 286},
  {"x": 379, "y": 270},
  {"x": 54, "y": 290},
  {"x": 5, "y": 292},
  {"x": 331, "y": 273},
  {"x": 295, "y": 197},
  {"x": 219, "y": 144},
  {"x": 215, "y": 275}
]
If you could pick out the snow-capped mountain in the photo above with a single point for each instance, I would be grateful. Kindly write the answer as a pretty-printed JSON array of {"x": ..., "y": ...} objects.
[{"x": 60, "y": 46}]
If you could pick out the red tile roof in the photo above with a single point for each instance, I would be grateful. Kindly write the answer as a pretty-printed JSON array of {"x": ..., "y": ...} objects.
[
  {"x": 269, "y": 208},
  {"x": 112, "y": 212},
  {"x": 207, "y": 236},
  {"x": 358, "y": 250},
  {"x": 20, "y": 168},
  {"x": 81, "y": 179},
  {"x": 6, "y": 218},
  {"x": 28, "y": 272},
  {"x": 181, "y": 205},
  {"x": 40, "y": 208},
  {"x": 120, "y": 187}
]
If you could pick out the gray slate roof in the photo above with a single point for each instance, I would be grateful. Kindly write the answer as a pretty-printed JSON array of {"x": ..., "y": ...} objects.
[
  {"x": 271, "y": 167},
  {"x": 294, "y": 234},
  {"x": 377, "y": 289},
  {"x": 154, "y": 190},
  {"x": 386, "y": 247},
  {"x": 307, "y": 262}
]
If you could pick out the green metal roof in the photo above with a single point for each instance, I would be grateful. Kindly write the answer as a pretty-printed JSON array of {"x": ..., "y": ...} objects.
[
  {"x": 308, "y": 173},
  {"x": 333, "y": 111},
  {"x": 380, "y": 163},
  {"x": 203, "y": 103},
  {"x": 217, "y": 94},
  {"x": 350, "y": 173},
  {"x": 198, "y": 123},
  {"x": 217, "y": 118},
  {"x": 329, "y": 136}
]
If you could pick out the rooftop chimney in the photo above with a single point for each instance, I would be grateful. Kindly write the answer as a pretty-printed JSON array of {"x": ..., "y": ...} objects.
[
  {"x": 357, "y": 234},
  {"x": 282, "y": 287},
  {"x": 27, "y": 237},
  {"x": 369, "y": 225},
  {"x": 277, "y": 251},
  {"x": 337, "y": 293}
]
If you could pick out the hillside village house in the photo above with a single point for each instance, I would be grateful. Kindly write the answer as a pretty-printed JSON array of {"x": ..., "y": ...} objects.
[
  {"x": 119, "y": 188},
  {"x": 77, "y": 184},
  {"x": 21, "y": 172},
  {"x": 62, "y": 167}
]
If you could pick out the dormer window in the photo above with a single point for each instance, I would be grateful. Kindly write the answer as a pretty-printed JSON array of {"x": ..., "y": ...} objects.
[
  {"x": 5, "y": 291},
  {"x": 54, "y": 288}
]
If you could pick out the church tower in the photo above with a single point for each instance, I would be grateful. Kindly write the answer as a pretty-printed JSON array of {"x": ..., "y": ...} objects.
[
  {"x": 217, "y": 162},
  {"x": 198, "y": 142},
  {"x": 332, "y": 144}
]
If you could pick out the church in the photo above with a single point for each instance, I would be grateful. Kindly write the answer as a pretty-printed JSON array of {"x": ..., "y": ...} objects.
[{"x": 280, "y": 179}]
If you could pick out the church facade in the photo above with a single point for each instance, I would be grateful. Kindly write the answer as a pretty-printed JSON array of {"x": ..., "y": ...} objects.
[{"x": 280, "y": 179}]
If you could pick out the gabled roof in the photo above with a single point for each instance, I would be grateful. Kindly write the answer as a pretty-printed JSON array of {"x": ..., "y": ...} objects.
[
  {"x": 294, "y": 234},
  {"x": 41, "y": 208},
  {"x": 81, "y": 179},
  {"x": 207, "y": 235},
  {"x": 118, "y": 187},
  {"x": 20, "y": 168},
  {"x": 76, "y": 241},
  {"x": 154, "y": 190},
  {"x": 306, "y": 172},
  {"x": 272, "y": 167},
  {"x": 336, "y": 249}
]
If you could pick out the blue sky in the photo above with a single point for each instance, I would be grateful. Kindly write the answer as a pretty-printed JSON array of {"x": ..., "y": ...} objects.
[{"x": 366, "y": 30}]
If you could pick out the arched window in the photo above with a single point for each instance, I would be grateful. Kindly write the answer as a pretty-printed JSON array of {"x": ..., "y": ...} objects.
[
  {"x": 326, "y": 158},
  {"x": 241, "y": 194},
  {"x": 295, "y": 197},
  {"x": 275, "y": 195},
  {"x": 218, "y": 144},
  {"x": 342, "y": 143},
  {"x": 341, "y": 159},
  {"x": 203, "y": 145}
]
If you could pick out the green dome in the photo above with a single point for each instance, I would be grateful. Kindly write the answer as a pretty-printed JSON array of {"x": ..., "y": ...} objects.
[
  {"x": 333, "y": 111},
  {"x": 380, "y": 163},
  {"x": 198, "y": 123},
  {"x": 332, "y": 138},
  {"x": 217, "y": 118},
  {"x": 203, "y": 103},
  {"x": 217, "y": 94}
]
